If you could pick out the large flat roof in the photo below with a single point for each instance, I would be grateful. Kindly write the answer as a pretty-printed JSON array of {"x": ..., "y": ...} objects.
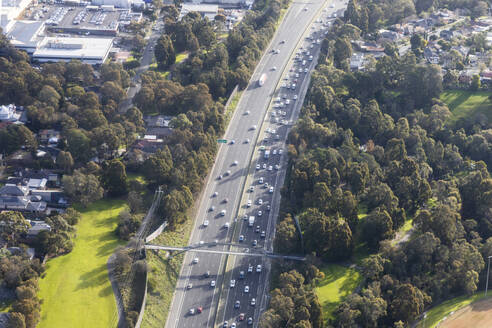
[
  {"x": 25, "y": 33},
  {"x": 85, "y": 49}
]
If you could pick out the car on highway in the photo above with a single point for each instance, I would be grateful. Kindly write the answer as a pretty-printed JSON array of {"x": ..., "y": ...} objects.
[
  {"x": 241, "y": 317},
  {"x": 223, "y": 213},
  {"x": 282, "y": 42},
  {"x": 255, "y": 242},
  {"x": 225, "y": 200},
  {"x": 241, "y": 238},
  {"x": 260, "y": 181},
  {"x": 215, "y": 194},
  {"x": 241, "y": 274},
  {"x": 280, "y": 151},
  {"x": 295, "y": 97},
  {"x": 253, "y": 301},
  {"x": 266, "y": 185},
  {"x": 225, "y": 325},
  {"x": 264, "y": 166},
  {"x": 226, "y": 225},
  {"x": 260, "y": 201},
  {"x": 233, "y": 142},
  {"x": 257, "y": 230},
  {"x": 250, "y": 268},
  {"x": 212, "y": 283},
  {"x": 190, "y": 286},
  {"x": 251, "y": 188},
  {"x": 263, "y": 234},
  {"x": 274, "y": 152},
  {"x": 260, "y": 213},
  {"x": 205, "y": 223},
  {"x": 270, "y": 168},
  {"x": 227, "y": 173},
  {"x": 268, "y": 208},
  {"x": 233, "y": 325},
  {"x": 253, "y": 127},
  {"x": 206, "y": 274},
  {"x": 250, "y": 321},
  {"x": 247, "y": 112},
  {"x": 246, "y": 289},
  {"x": 305, "y": 70},
  {"x": 274, "y": 68},
  {"x": 196, "y": 260},
  {"x": 271, "y": 190},
  {"x": 246, "y": 140},
  {"x": 237, "y": 304},
  {"x": 232, "y": 283},
  {"x": 249, "y": 203},
  {"x": 277, "y": 167},
  {"x": 199, "y": 309},
  {"x": 258, "y": 268},
  {"x": 234, "y": 163},
  {"x": 192, "y": 311}
]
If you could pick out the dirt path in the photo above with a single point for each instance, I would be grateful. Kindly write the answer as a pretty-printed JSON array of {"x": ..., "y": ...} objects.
[{"x": 476, "y": 315}]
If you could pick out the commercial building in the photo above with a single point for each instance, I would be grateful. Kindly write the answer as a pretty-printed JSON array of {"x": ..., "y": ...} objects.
[
  {"x": 206, "y": 10},
  {"x": 25, "y": 35},
  {"x": 88, "y": 50},
  {"x": 10, "y": 10}
]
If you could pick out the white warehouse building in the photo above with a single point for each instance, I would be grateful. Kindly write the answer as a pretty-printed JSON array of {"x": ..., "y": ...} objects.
[
  {"x": 117, "y": 3},
  {"x": 88, "y": 50}
]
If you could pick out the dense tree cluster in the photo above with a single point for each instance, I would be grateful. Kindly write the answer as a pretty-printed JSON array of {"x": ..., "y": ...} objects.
[{"x": 371, "y": 150}]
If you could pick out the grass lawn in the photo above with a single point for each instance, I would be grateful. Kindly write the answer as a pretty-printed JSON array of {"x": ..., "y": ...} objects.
[
  {"x": 163, "y": 274},
  {"x": 437, "y": 313},
  {"x": 464, "y": 103},
  {"x": 181, "y": 56},
  {"x": 339, "y": 282},
  {"x": 75, "y": 290}
]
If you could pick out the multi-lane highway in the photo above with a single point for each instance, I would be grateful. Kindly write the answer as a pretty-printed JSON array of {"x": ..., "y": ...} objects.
[{"x": 245, "y": 181}]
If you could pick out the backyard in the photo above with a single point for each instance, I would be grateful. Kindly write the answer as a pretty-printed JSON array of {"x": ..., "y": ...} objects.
[
  {"x": 339, "y": 281},
  {"x": 76, "y": 291}
]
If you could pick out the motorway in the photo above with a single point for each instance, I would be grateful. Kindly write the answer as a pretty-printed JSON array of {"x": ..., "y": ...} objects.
[{"x": 261, "y": 122}]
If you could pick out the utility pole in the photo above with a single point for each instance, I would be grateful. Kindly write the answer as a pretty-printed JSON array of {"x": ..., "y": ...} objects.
[{"x": 488, "y": 270}]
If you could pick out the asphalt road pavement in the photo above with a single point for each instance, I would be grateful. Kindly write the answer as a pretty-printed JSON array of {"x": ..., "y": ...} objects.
[{"x": 234, "y": 172}]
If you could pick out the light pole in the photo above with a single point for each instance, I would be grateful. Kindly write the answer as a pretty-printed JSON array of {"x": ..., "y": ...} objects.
[
  {"x": 488, "y": 270},
  {"x": 425, "y": 316}
]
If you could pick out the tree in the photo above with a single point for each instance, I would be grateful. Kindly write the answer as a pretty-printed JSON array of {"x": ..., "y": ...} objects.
[
  {"x": 111, "y": 91},
  {"x": 418, "y": 44},
  {"x": 81, "y": 187},
  {"x": 78, "y": 144},
  {"x": 450, "y": 79},
  {"x": 164, "y": 52},
  {"x": 64, "y": 161},
  {"x": 377, "y": 226},
  {"x": 475, "y": 83},
  {"x": 49, "y": 96},
  {"x": 408, "y": 303},
  {"x": 128, "y": 224},
  {"x": 16, "y": 320},
  {"x": 135, "y": 202},
  {"x": 342, "y": 51},
  {"x": 13, "y": 226},
  {"x": 114, "y": 178},
  {"x": 286, "y": 238}
]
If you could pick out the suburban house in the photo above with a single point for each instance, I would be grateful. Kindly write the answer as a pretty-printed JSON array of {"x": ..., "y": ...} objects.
[
  {"x": 149, "y": 144},
  {"x": 158, "y": 125},
  {"x": 17, "y": 198},
  {"x": 49, "y": 136},
  {"x": 37, "y": 227}
]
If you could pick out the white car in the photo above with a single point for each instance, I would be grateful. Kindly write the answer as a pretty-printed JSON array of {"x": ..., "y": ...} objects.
[
  {"x": 253, "y": 127},
  {"x": 295, "y": 97},
  {"x": 249, "y": 203},
  {"x": 235, "y": 163},
  {"x": 250, "y": 268},
  {"x": 264, "y": 165},
  {"x": 205, "y": 223},
  {"x": 253, "y": 301},
  {"x": 277, "y": 167},
  {"x": 212, "y": 283},
  {"x": 246, "y": 141},
  {"x": 277, "y": 99},
  {"x": 195, "y": 260},
  {"x": 251, "y": 188},
  {"x": 260, "y": 181},
  {"x": 260, "y": 213},
  {"x": 190, "y": 286},
  {"x": 258, "y": 166},
  {"x": 280, "y": 151},
  {"x": 271, "y": 190},
  {"x": 246, "y": 289},
  {"x": 274, "y": 152},
  {"x": 305, "y": 70},
  {"x": 287, "y": 102},
  {"x": 192, "y": 311},
  {"x": 274, "y": 68},
  {"x": 223, "y": 213},
  {"x": 215, "y": 194},
  {"x": 233, "y": 283},
  {"x": 270, "y": 168},
  {"x": 227, "y": 225},
  {"x": 247, "y": 112},
  {"x": 260, "y": 201},
  {"x": 258, "y": 268}
]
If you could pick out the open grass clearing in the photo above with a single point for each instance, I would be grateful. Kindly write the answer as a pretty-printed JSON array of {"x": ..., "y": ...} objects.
[
  {"x": 439, "y": 312},
  {"x": 163, "y": 275},
  {"x": 339, "y": 282},
  {"x": 465, "y": 104},
  {"x": 75, "y": 290}
]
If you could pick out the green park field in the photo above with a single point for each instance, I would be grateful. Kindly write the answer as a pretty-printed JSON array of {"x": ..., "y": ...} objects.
[
  {"x": 463, "y": 103},
  {"x": 339, "y": 282},
  {"x": 75, "y": 290}
]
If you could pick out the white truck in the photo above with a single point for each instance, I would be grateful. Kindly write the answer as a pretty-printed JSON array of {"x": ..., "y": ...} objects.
[
  {"x": 251, "y": 221},
  {"x": 267, "y": 154},
  {"x": 262, "y": 79}
]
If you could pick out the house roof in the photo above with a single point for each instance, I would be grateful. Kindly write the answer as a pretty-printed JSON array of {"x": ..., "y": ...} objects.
[
  {"x": 13, "y": 190},
  {"x": 37, "y": 183}
]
